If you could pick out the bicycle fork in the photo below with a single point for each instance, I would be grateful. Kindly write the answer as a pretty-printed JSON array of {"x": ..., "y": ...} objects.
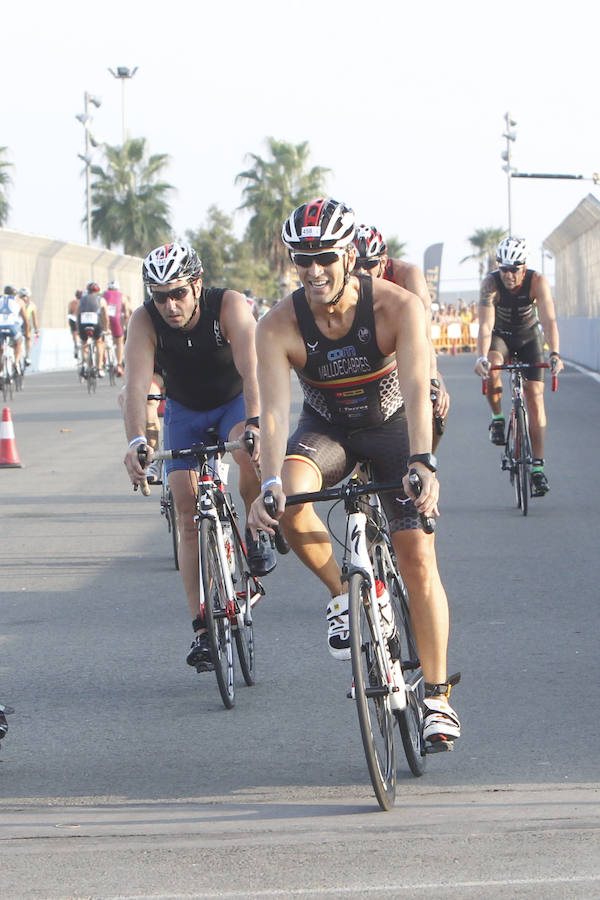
[
  {"x": 236, "y": 618},
  {"x": 360, "y": 563}
]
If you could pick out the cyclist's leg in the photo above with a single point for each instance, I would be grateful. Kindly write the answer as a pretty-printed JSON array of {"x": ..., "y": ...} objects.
[
  {"x": 497, "y": 355},
  {"x": 315, "y": 458},
  {"x": 388, "y": 448},
  {"x": 533, "y": 352},
  {"x": 18, "y": 348}
]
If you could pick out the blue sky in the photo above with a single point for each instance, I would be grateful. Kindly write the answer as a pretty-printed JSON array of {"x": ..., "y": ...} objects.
[{"x": 404, "y": 101}]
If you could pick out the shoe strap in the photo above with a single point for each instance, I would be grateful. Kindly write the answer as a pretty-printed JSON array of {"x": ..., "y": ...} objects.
[{"x": 431, "y": 690}]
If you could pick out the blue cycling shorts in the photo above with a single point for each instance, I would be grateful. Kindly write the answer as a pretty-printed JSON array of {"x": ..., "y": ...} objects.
[{"x": 185, "y": 426}]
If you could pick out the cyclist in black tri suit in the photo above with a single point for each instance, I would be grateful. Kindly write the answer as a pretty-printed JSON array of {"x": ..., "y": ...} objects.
[
  {"x": 359, "y": 348},
  {"x": 203, "y": 341},
  {"x": 511, "y": 299}
]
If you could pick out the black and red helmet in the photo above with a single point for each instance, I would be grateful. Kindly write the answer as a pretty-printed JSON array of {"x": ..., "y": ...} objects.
[
  {"x": 319, "y": 225},
  {"x": 369, "y": 243},
  {"x": 93, "y": 287}
]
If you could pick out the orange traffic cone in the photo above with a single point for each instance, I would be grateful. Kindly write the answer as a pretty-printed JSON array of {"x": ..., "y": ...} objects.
[{"x": 9, "y": 456}]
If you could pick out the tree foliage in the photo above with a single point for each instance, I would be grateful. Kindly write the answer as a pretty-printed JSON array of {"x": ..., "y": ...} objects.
[
  {"x": 396, "y": 249},
  {"x": 228, "y": 262},
  {"x": 273, "y": 187},
  {"x": 484, "y": 242},
  {"x": 129, "y": 205},
  {"x": 5, "y": 181}
]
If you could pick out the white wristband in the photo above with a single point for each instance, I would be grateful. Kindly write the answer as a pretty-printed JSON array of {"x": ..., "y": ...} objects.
[
  {"x": 482, "y": 359},
  {"x": 275, "y": 480},
  {"x": 138, "y": 440}
]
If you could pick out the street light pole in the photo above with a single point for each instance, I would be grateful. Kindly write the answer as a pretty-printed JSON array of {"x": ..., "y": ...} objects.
[
  {"x": 85, "y": 120},
  {"x": 506, "y": 156},
  {"x": 123, "y": 74}
]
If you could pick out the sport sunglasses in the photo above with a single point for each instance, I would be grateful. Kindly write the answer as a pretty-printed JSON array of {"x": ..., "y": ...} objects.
[
  {"x": 325, "y": 258},
  {"x": 176, "y": 293},
  {"x": 366, "y": 263},
  {"x": 511, "y": 269}
]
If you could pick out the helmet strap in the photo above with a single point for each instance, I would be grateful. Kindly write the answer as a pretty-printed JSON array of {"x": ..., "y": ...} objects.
[
  {"x": 196, "y": 305},
  {"x": 338, "y": 296}
]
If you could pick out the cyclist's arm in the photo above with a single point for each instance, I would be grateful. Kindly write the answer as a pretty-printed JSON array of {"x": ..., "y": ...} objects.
[
  {"x": 540, "y": 289},
  {"x": 104, "y": 322},
  {"x": 238, "y": 326},
  {"x": 487, "y": 317},
  {"x": 139, "y": 364},
  {"x": 25, "y": 319},
  {"x": 34, "y": 318},
  {"x": 275, "y": 392},
  {"x": 412, "y": 359}
]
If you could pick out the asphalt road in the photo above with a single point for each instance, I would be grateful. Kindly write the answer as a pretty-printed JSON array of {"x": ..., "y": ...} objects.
[{"x": 122, "y": 774}]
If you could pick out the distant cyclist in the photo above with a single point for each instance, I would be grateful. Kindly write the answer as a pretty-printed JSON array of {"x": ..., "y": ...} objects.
[
  {"x": 372, "y": 259},
  {"x": 92, "y": 313},
  {"x": 512, "y": 297},
  {"x": 13, "y": 321},
  {"x": 31, "y": 313},
  {"x": 72, "y": 320},
  {"x": 117, "y": 310}
]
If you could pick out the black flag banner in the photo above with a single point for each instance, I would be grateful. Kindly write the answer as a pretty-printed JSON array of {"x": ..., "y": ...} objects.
[{"x": 431, "y": 269}]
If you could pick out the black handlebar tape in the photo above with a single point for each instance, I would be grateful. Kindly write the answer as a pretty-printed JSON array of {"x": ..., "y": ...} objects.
[{"x": 428, "y": 522}]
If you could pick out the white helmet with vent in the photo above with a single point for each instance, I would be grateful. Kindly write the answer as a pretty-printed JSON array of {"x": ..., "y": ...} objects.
[{"x": 512, "y": 252}]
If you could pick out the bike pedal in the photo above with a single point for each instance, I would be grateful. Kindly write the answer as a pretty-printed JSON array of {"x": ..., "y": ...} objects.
[{"x": 439, "y": 746}]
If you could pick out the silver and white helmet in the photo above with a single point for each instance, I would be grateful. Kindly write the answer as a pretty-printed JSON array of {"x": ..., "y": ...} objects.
[
  {"x": 171, "y": 262},
  {"x": 113, "y": 286},
  {"x": 512, "y": 252}
]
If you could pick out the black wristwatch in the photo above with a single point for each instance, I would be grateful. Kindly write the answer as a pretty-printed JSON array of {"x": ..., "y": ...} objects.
[
  {"x": 428, "y": 460},
  {"x": 435, "y": 382},
  {"x": 253, "y": 420}
]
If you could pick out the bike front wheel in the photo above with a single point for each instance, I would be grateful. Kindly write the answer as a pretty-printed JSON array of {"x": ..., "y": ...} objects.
[
  {"x": 172, "y": 520},
  {"x": 370, "y": 690},
  {"x": 523, "y": 467},
  {"x": 216, "y": 615}
]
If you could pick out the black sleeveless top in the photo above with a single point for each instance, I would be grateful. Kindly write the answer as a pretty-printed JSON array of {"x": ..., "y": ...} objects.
[
  {"x": 515, "y": 313},
  {"x": 347, "y": 381},
  {"x": 197, "y": 365}
]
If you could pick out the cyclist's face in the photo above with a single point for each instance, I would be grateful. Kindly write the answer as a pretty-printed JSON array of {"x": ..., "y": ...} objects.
[
  {"x": 375, "y": 271},
  {"x": 322, "y": 282},
  {"x": 176, "y": 310},
  {"x": 512, "y": 276}
]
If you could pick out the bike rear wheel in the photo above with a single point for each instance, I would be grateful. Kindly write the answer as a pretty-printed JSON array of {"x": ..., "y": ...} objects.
[
  {"x": 244, "y": 589},
  {"x": 410, "y": 719},
  {"x": 370, "y": 689},
  {"x": 216, "y": 616},
  {"x": 172, "y": 521}
]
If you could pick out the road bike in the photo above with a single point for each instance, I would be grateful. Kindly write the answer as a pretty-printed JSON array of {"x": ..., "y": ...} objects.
[
  {"x": 388, "y": 684},
  {"x": 228, "y": 591},
  {"x": 89, "y": 360},
  {"x": 517, "y": 456},
  {"x": 167, "y": 504},
  {"x": 9, "y": 370}
]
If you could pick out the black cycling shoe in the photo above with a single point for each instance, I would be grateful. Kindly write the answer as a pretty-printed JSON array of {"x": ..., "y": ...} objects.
[
  {"x": 497, "y": 432},
  {"x": 199, "y": 655},
  {"x": 261, "y": 557},
  {"x": 281, "y": 545},
  {"x": 539, "y": 483}
]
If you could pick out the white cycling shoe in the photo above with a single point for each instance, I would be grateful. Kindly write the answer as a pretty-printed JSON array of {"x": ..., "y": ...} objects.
[
  {"x": 338, "y": 619},
  {"x": 441, "y": 725}
]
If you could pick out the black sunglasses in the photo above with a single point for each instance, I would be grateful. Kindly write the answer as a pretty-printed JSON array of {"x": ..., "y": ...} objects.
[
  {"x": 511, "y": 269},
  {"x": 366, "y": 263},
  {"x": 176, "y": 293},
  {"x": 326, "y": 258}
]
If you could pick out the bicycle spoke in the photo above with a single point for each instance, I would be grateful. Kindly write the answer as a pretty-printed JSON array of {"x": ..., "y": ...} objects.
[{"x": 216, "y": 611}]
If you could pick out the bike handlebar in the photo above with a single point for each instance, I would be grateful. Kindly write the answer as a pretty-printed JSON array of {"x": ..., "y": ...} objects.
[
  {"x": 356, "y": 489},
  {"x": 201, "y": 451},
  {"x": 518, "y": 367}
]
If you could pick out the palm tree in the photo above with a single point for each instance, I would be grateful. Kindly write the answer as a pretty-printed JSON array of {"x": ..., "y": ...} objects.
[
  {"x": 485, "y": 242},
  {"x": 129, "y": 204},
  {"x": 5, "y": 180},
  {"x": 395, "y": 248},
  {"x": 273, "y": 188}
]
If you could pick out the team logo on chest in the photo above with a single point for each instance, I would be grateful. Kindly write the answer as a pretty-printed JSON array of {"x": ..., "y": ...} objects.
[
  {"x": 219, "y": 340},
  {"x": 364, "y": 334}
]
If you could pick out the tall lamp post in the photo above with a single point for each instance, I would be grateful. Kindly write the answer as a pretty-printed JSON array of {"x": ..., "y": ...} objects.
[
  {"x": 506, "y": 156},
  {"x": 85, "y": 120},
  {"x": 123, "y": 74}
]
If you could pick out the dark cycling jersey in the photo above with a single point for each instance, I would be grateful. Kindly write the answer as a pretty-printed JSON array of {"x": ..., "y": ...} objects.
[
  {"x": 347, "y": 381},
  {"x": 197, "y": 365},
  {"x": 516, "y": 313}
]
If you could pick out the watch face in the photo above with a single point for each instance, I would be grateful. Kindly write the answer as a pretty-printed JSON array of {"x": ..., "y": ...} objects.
[{"x": 435, "y": 382}]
